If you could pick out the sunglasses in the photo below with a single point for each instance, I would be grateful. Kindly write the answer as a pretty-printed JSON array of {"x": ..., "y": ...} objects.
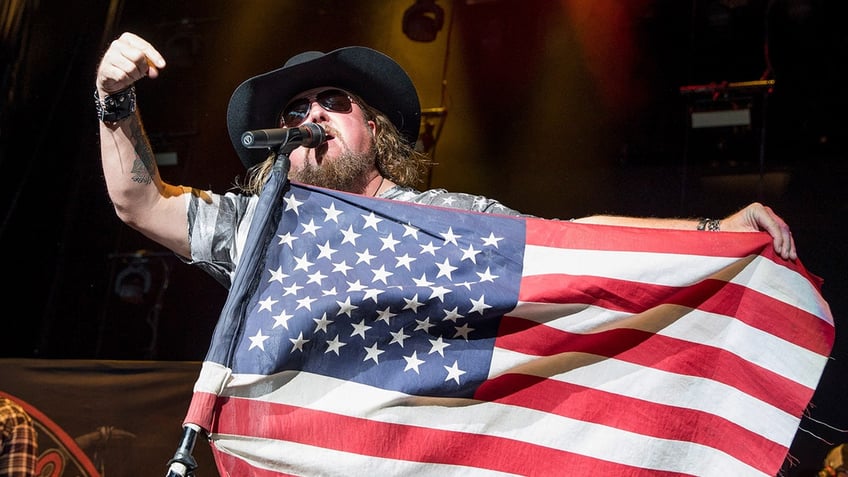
[{"x": 334, "y": 100}]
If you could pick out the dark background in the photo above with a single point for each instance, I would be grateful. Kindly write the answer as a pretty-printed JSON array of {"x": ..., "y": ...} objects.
[{"x": 556, "y": 108}]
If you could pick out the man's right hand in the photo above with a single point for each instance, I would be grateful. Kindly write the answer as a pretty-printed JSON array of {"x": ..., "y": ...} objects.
[{"x": 128, "y": 59}]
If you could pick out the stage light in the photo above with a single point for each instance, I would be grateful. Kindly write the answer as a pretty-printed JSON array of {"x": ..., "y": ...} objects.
[{"x": 423, "y": 20}]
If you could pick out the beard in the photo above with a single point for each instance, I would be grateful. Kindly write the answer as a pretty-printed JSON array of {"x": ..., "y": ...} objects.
[{"x": 347, "y": 172}]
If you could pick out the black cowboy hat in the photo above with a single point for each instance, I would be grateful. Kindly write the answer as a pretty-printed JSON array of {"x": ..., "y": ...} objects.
[{"x": 371, "y": 75}]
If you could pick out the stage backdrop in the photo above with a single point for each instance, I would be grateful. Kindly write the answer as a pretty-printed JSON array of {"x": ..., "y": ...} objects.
[{"x": 109, "y": 418}]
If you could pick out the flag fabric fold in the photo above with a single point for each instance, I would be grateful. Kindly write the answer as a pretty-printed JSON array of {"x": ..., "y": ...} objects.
[{"x": 364, "y": 335}]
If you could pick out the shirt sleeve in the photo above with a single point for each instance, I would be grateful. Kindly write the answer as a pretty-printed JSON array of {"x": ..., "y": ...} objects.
[
  {"x": 18, "y": 441},
  {"x": 218, "y": 226}
]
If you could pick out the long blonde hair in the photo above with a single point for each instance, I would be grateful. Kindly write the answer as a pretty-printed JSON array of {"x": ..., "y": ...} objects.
[{"x": 395, "y": 159}]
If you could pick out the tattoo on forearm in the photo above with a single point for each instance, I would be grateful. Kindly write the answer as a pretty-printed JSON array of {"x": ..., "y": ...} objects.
[
  {"x": 144, "y": 165},
  {"x": 140, "y": 173}
]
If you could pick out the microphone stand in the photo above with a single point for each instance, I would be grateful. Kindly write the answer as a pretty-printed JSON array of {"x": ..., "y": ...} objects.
[{"x": 183, "y": 463}]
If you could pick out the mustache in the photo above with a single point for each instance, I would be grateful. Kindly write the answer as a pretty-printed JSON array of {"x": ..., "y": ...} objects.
[{"x": 330, "y": 131}]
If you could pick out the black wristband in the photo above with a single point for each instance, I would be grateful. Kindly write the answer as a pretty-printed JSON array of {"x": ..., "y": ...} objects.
[{"x": 115, "y": 107}]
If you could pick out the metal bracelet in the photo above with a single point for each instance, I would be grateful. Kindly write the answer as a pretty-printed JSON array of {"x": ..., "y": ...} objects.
[{"x": 710, "y": 225}]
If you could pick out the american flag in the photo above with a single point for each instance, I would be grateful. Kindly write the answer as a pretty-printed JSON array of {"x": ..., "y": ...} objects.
[{"x": 385, "y": 338}]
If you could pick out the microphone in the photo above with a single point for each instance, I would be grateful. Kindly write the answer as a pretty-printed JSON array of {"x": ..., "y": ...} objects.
[{"x": 306, "y": 135}]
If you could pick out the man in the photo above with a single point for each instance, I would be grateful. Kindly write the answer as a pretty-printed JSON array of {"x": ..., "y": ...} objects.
[
  {"x": 369, "y": 110},
  {"x": 18, "y": 441},
  {"x": 304, "y": 90}
]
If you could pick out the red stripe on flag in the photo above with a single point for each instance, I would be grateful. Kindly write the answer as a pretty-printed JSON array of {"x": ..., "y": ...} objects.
[
  {"x": 775, "y": 317},
  {"x": 200, "y": 409},
  {"x": 245, "y": 417},
  {"x": 715, "y": 296},
  {"x": 636, "y": 239},
  {"x": 661, "y": 353},
  {"x": 611, "y": 293}
]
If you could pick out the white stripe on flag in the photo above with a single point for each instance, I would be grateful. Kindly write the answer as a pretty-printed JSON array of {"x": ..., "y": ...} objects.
[
  {"x": 646, "y": 267},
  {"x": 484, "y": 418},
  {"x": 670, "y": 389}
]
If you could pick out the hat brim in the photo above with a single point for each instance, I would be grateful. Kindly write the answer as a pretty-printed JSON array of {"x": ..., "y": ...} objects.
[{"x": 371, "y": 75}]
